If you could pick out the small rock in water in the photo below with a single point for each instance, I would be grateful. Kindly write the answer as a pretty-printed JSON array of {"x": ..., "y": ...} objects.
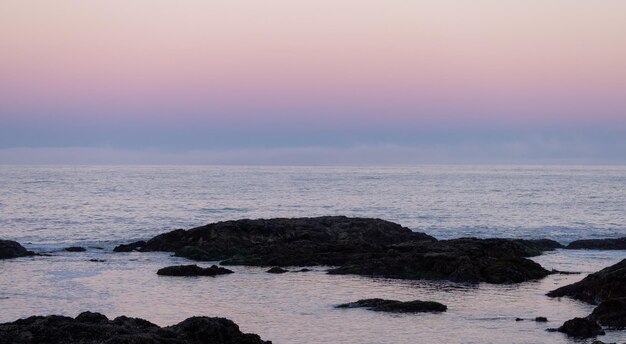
[
  {"x": 97, "y": 260},
  {"x": 381, "y": 305},
  {"x": 541, "y": 319},
  {"x": 75, "y": 249},
  {"x": 277, "y": 270},
  {"x": 519, "y": 319},
  {"x": 193, "y": 270},
  {"x": 581, "y": 328},
  {"x": 12, "y": 249}
]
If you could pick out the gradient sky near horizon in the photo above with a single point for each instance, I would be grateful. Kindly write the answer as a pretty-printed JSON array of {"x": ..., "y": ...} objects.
[{"x": 313, "y": 82}]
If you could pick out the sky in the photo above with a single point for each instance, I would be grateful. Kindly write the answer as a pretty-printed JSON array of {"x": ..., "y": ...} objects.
[{"x": 313, "y": 82}]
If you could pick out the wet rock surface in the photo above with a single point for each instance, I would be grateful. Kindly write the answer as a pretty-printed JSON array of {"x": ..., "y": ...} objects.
[
  {"x": 598, "y": 244},
  {"x": 611, "y": 313},
  {"x": 362, "y": 246},
  {"x": 277, "y": 270},
  {"x": 581, "y": 328},
  {"x": 193, "y": 270},
  {"x": 608, "y": 283},
  {"x": 75, "y": 249},
  {"x": 92, "y": 328},
  {"x": 381, "y": 305},
  {"x": 12, "y": 249}
]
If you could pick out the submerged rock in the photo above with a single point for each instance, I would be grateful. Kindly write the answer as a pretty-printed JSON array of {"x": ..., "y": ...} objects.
[
  {"x": 134, "y": 246},
  {"x": 92, "y": 328},
  {"x": 277, "y": 270},
  {"x": 371, "y": 247},
  {"x": 599, "y": 244},
  {"x": 611, "y": 313},
  {"x": 381, "y": 305},
  {"x": 193, "y": 270},
  {"x": 12, "y": 249},
  {"x": 581, "y": 328},
  {"x": 603, "y": 285},
  {"x": 75, "y": 249}
]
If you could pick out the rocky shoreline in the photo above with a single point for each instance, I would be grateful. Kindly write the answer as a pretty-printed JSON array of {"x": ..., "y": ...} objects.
[
  {"x": 359, "y": 246},
  {"x": 95, "y": 328}
]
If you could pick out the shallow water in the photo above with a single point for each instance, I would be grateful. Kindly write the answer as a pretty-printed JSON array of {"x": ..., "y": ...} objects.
[
  {"x": 48, "y": 208},
  {"x": 297, "y": 307}
]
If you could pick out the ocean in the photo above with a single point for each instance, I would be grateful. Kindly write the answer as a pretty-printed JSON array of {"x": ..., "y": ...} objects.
[{"x": 47, "y": 208}]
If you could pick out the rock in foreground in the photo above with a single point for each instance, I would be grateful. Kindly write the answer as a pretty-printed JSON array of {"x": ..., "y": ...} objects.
[
  {"x": 608, "y": 283},
  {"x": 12, "y": 249},
  {"x": 193, "y": 270},
  {"x": 598, "y": 244},
  {"x": 581, "y": 328},
  {"x": 92, "y": 328},
  {"x": 381, "y": 305}
]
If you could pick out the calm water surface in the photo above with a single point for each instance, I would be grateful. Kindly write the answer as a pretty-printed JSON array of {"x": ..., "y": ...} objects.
[{"x": 52, "y": 207}]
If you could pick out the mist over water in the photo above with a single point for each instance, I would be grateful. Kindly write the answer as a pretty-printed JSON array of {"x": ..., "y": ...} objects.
[{"x": 50, "y": 207}]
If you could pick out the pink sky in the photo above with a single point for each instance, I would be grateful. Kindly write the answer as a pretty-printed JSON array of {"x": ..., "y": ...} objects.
[{"x": 365, "y": 65}]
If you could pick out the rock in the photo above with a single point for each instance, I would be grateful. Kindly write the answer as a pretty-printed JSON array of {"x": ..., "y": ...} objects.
[
  {"x": 75, "y": 249},
  {"x": 598, "y": 244},
  {"x": 193, "y": 270},
  {"x": 459, "y": 260},
  {"x": 381, "y": 305},
  {"x": 370, "y": 247},
  {"x": 134, "y": 246},
  {"x": 12, "y": 249},
  {"x": 95, "y": 328},
  {"x": 302, "y": 270},
  {"x": 277, "y": 270},
  {"x": 600, "y": 286},
  {"x": 97, "y": 260},
  {"x": 519, "y": 319},
  {"x": 541, "y": 319},
  {"x": 581, "y": 328},
  {"x": 611, "y": 313}
]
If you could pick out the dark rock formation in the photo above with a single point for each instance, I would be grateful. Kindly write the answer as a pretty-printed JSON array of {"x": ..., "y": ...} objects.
[
  {"x": 361, "y": 246},
  {"x": 381, "y": 305},
  {"x": 458, "y": 260},
  {"x": 605, "y": 284},
  {"x": 599, "y": 244},
  {"x": 611, "y": 313},
  {"x": 75, "y": 249},
  {"x": 95, "y": 328},
  {"x": 193, "y": 270},
  {"x": 12, "y": 249},
  {"x": 277, "y": 270},
  {"x": 541, "y": 319},
  {"x": 581, "y": 328}
]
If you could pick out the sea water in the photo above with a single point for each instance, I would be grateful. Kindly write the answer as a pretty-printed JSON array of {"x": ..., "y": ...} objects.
[{"x": 47, "y": 208}]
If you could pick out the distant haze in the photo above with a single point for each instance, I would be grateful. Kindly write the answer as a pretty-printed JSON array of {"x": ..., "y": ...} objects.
[{"x": 313, "y": 82}]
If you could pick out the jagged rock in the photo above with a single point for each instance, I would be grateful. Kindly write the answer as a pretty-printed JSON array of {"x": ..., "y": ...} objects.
[
  {"x": 361, "y": 246},
  {"x": 598, "y": 244},
  {"x": 277, "y": 270},
  {"x": 381, "y": 305},
  {"x": 95, "y": 328},
  {"x": 611, "y": 313},
  {"x": 75, "y": 249},
  {"x": 581, "y": 328},
  {"x": 605, "y": 284},
  {"x": 12, "y": 249},
  {"x": 193, "y": 270}
]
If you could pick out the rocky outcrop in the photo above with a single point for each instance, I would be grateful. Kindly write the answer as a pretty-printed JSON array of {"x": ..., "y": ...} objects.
[
  {"x": 361, "y": 246},
  {"x": 458, "y": 260},
  {"x": 611, "y": 313},
  {"x": 193, "y": 270},
  {"x": 608, "y": 283},
  {"x": 12, "y": 249},
  {"x": 92, "y": 328},
  {"x": 381, "y": 305},
  {"x": 581, "y": 328},
  {"x": 598, "y": 244}
]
